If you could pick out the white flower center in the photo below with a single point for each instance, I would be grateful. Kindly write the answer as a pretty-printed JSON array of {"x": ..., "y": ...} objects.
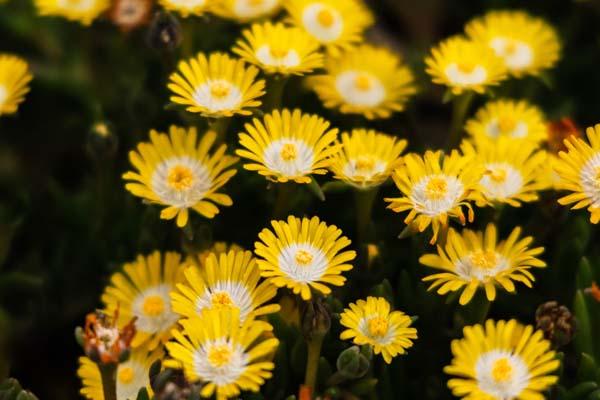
[
  {"x": 289, "y": 157},
  {"x": 181, "y": 181},
  {"x": 218, "y": 95},
  {"x": 507, "y": 126},
  {"x": 220, "y": 361},
  {"x": 364, "y": 167},
  {"x": 501, "y": 180},
  {"x": 481, "y": 265},
  {"x": 302, "y": 262},
  {"x": 274, "y": 57},
  {"x": 466, "y": 74},
  {"x": 152, "y": 308},
  {"x": 254, "y": 8},
  {"x": 360, "y": 88},
  {"x": 376, "y": 328},
  {"x": 323, "y": 22},
  {"x": 501, "y": 374},
  {"x": 590, "y": 179},
  {"x": 226, "y": 294},
  {"x": 131, "y": 377},
  {"x": 77, "y": 5},
  {"x": 516, "y": 54},
  {"x": 436, "y": 194}
]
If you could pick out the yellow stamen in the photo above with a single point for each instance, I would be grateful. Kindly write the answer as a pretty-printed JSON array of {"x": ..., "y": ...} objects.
[
  {"x": 288, "y": 152},
  {"x": 278, "y": 52},
  {"x": 325, "y": 18},
  {"x": 466, "y": 67},
  {"x": 153, "y": 306},
  {"x": 219, "y": 356},
  {"x": 220, "y": 89},
  {"x": 510, "y": 47},
  {"x": 378, "y": 326},
  {"x": 365, "y": 163},
  {"x": 502, "y": 370},
  {"x": 436, "y": 188},
  {"x": 255, "y": 3},
  {"x": 507, "y": 124},
  {"x": 221, "y": 299},
  {"x": 362, "y": 82},
  {"x": 180, "y": 177},
  {"x": 303, "y": 257},
  {"x": 498, "y": 175},
  {"x": 125, "y": 375},
  {"x": 484, "y": 259}
]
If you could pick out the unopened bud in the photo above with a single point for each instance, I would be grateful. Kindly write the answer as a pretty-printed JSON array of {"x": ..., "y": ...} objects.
[
  {"x": 352, "y": 364},
  {"x": 102, "y": 143},
  {"x": 164, "y": 32},
  {"x": 130, "y": 14},
  {"x": 316, "y": 318},
  {"x": 556, "y": 322}
]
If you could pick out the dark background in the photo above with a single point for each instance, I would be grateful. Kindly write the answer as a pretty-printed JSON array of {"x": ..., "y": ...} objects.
[{"x": 66, "y": 221}]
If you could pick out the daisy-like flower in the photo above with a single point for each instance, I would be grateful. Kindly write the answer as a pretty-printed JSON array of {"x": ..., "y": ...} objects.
[
  {"x": 224, "y": 354},
  {"x": 301, "y": 254},
  {"x": 475, "y": 259},
  {"x": 371, "y": 81},
  {"x": 371, "y": 322},
  {"x": 503, "y": 360},
  {"x": 463, "y": 65},
  {"x": 14, "y": 82},
  {"x": 279, "y": 49},
  {"x": 229, "y": 280},
  {"x": 244, "y": 11},
  {"x": 83, "y": 11},
  {"x": 216, "y": 86},
  {"x": 579, "y": 172},
  {"x": 288, "y": 146},
  {"x": 435, "y": 188},
  {"x": 132, "y": 375},
  {"x": 513, "y": 170},
  {"x": 185, "y": 8},
  {"x": 367, "y": 158},
  {"x": 142, "y": 291},
  {"x": 336, "y": 24},
  {"x": 177, "y": 171},
  {"x": 527, "y": 44},
  {"x": 510, "y": 118}
]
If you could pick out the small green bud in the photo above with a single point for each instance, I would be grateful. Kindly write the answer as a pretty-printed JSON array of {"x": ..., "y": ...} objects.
[{"x": 351, "y": 364}]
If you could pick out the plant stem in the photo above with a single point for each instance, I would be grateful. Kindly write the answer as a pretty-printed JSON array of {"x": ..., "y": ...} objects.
[
  {"x": 364, "y": 199},
  {"x": 314, "y": 345},
  {"x": 284, "y": 199},
  {"x": 275, "y": 88},
  {"x": 108, "y": 373},
  {"x": 460, "y": 107},
  {"x": 219, "y": 126}
]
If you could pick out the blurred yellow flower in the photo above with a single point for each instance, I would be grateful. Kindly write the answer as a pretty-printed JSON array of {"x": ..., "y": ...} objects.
[
  {"x": 83, "y": 11},
  {"x": 245, "y": 10},
  {"x": 185, "y": 8},
  {"x": 14, "y": 82}
]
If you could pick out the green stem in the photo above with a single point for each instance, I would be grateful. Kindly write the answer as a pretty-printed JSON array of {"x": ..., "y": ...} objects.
[
  {"x": 364, "y": 199},
  {"x": 219, "y": 126},
  {"x": 284, "y": 198},
  {"x": 314, "y": 345},
  {"x": 275, "y": 88},
  {"x": 460, "y": 107},
  {"x": 108, "y": 373}
]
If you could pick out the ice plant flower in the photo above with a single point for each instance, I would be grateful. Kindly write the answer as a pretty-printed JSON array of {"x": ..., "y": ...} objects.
[
  {"x": 476, "y": 259},
  {"x": 371, "y": 322},
  {"x": 464, "y": 65},
  {"x": 279, "y": 49},
  {"x": 509, "y": 118},
  {"x": 303, "y": 254},
  {"x": 131, "y": 375},
  {"x": 368, "y": 80},
  {"x": 14, "y": 82},
  {"x": 177, "y": 171},
  {"x": 224, "y": 281},
  {"x": 141, "y": 291},
  {"x": 579, "y": 172},
  {"x": 83, "y": 11},
  {"x": 336, "y": 24},
  {"x": 503, "y": 360},
  {"x": 103, "y": 341},
  {"x": 367, "y": 158},
  {"x": 434, "y": 188},
  {"x": 527, "y": 44},
  {"x": 244, "y": 11},
  {"x": 513, "y": 170},
  {"x": 185, "y": 8},
  {"x": 288, "y": 146},
  {"x": 216, "y": 86},
  {"x": 225, "y": 355}
]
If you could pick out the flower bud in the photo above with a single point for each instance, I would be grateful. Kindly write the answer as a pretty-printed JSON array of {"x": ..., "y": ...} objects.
[
  {"x": 164, "y": 32},
  {"x": 556, "y": 322},
  {"x": 102, "y": 143},
  {"x": 352, "y": 364},
  {"x": 316, "y": 318},
  {"x": 130, "y": 14}
]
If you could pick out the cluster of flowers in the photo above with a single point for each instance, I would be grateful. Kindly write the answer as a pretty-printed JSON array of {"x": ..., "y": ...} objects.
[{"x": 207, "y": 312}]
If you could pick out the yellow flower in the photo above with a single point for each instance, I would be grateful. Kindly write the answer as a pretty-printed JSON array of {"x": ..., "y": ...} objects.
[
  {"x": 371, "y": 81},
  {"x": 83, "y": 11},
  {"x": 216, "y": 86},
  {"x": 550, "y": 178},
  {"x": 434, "y": 188},
  {"x": 475, "y": 259},
  {"x": 371, "y": 322},
  {"x": 579, "y": 172},
  {"x": 230, "y": 280},
  {"x": 527, "y": 44},
  {"x": 367, "y": 158},
  {"x": 288, "y": 146},
  {"x": 302, "y": 254},
  {"x": 246, "y": 10},
  {"x": 278, "y": 49},
  {"x": 510, "y": 118},
  {"x": 132, "y": 375},
  {"x": 177, "y": 171},
  {"x": 513, "y": 170},
  {"x": 503, "y": 360},
  {"x": 185, "y": 8},
  {"x": 142, "y": 291},
  {"x": 464, "y": 65},
  {"x": 336, "y": 24},
  {"x": 14, "y": 82},
  {"x": 225, "y": 355}
]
